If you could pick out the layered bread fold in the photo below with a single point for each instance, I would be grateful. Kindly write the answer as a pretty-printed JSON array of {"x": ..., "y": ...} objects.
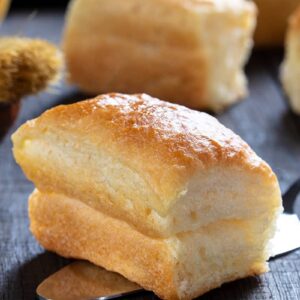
[
  {"x": 164, "y": 195},
  {"x": 191, "y": 52},
  {"x": 179, "y": 267}
]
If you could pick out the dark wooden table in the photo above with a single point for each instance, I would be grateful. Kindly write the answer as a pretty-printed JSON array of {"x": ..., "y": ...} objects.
[{"x": 263, "y": 120}]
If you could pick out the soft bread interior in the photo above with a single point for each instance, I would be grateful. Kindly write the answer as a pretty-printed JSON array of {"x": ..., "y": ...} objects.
[
  {"x": 179, "y": 267},
  {"x": 74, "y": 167}
]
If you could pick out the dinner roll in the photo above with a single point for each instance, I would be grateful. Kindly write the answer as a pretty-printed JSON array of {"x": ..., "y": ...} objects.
[
  {"x": 290, "y": 70},
  {"x": 191, "y": 52},
  {"x": 272, "y": 21},
  {"x": 164, "y": 195}
]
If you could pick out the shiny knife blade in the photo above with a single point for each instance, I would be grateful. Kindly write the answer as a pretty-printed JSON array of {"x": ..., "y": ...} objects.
[
  {"x": 82, "y": 280},
  {"x": 287, "y": 237}
]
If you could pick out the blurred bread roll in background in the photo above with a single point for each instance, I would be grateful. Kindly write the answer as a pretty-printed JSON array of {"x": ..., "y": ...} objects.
[
  {"x": 191, "y": 52},
  {"x": 272, "y": 21},
  {"x": 290, "y": 70}
]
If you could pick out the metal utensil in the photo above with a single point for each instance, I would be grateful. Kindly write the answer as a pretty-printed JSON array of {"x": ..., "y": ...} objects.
[
  {"x": 82, "y": 280},
  {"x": 287, "y": 237}
]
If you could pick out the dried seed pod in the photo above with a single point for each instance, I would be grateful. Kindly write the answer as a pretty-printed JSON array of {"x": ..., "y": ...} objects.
[{"x": 27, "y": 66}]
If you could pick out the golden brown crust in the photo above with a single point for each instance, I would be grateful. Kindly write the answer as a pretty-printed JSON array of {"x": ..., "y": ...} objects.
[
  {"x": 272, "y": 21},
  {"x": 167, "y": 143},
  {"x": 72, "y": 229}
]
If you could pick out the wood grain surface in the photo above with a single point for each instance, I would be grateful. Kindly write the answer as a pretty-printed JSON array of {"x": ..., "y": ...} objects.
[{"x": 263, "y": 120}]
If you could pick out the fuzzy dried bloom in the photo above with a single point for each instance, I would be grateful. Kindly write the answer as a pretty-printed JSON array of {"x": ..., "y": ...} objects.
[{"x": 27, "y": 66}]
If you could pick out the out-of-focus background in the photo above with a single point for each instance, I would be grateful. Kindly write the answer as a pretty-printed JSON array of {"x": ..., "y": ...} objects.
[{"x": 263, "y": 119}]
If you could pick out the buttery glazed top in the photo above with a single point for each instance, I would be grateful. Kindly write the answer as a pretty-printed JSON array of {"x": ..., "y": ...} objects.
[
  {"x": 174, "y": 133},
  {"x": 165, "y": 143}
]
